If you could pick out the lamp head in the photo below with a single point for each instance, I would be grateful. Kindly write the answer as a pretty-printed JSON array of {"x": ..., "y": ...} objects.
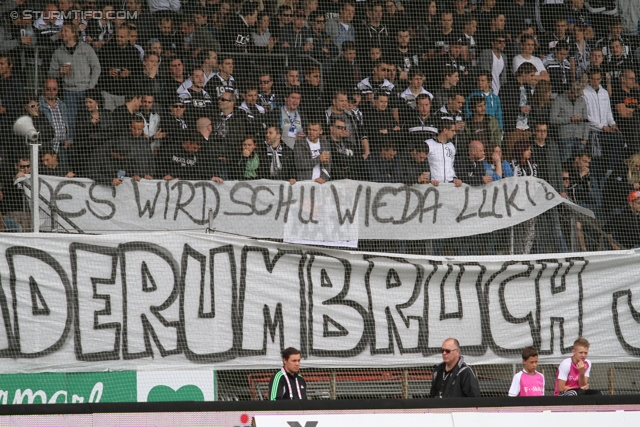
[{"x": 24, "y": 127}]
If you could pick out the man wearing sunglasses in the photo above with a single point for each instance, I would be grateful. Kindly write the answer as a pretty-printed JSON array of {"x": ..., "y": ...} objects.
[{"x": 453, "y": 377}]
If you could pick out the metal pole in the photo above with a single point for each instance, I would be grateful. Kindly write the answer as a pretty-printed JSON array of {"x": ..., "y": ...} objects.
[
  {"x": 36, "y": 57},
  {"x": 35, "y": 190},
  {"x": 333, "y": 392},
  {"x": 511, "y": 240},
  {"x": 405, "y": 383}
]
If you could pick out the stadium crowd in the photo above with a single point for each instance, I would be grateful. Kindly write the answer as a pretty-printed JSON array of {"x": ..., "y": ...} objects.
[{"x": 413, "y": 91}]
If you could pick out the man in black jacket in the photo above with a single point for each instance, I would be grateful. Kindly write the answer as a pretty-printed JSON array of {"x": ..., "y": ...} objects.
[
  {"x": 287, "y": 383},
  {"x": 121, "y": 69},
  {"x": 453, "y": 377},
  {"x": 471, "y": 168},
  {"x": 237, "y": 34},
  {"x": 229, "y": 130},
  {"x": 187, "y": 160},
  {"x": 11, "y": 95},
  {"x": 345, "y": 73},
  {"x": 279, "y": 157},
  {"x": 625, "y": 227},
  {"x": 545, "y": 153},
  {"x": 415, "y": 167}
]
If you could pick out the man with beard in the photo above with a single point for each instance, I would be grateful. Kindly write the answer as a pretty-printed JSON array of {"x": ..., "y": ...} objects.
[
  {"x": 152, "y": 129},
  {"x": 279, "y": 157},
  {"x": 196, "y": 99}
]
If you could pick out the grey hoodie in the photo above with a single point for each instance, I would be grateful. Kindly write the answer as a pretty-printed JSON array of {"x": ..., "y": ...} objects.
[
  {"x": 562, "y": 110},
  {"x": 85, "y": 67}
]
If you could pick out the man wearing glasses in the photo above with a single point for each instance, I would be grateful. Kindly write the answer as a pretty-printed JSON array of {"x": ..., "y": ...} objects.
[
  {"x": 453, "y": 377},
  {"x": 495, "y": 62},
  {"x": 174, "y": 123},
  {"x": 267, "y": 98}
]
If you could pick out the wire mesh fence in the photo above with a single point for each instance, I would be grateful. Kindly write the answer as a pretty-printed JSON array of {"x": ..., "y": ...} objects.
[{"x": 395, "y": 128}]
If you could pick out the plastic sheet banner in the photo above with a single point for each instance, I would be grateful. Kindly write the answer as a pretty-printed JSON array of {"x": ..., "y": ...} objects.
[
  {"x": 192, "y": 301},
  {"x": 341, "y": 211},
  {"x": 102, "y": 387}
]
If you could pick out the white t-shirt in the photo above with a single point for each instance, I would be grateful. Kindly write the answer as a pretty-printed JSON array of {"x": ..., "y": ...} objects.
[
  {"x": 315, "y": 152},
  {"x": 519, "y": 60},
  {"x": 496, "y": 70}
]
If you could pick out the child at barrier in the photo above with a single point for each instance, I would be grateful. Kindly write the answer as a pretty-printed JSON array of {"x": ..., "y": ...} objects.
[
  {"x": 572, "y": 378},
  {"x": 528, "y": 382}
]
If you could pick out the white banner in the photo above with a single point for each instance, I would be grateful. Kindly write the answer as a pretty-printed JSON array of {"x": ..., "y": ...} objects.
[
  {"x": 334, "y": 212},
  {"x": 543, "y": 416},
  {"x": 185, "y": 301}
]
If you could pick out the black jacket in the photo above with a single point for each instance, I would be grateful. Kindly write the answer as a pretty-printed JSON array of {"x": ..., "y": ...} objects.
[
  {"x": 113, "y": 56},
  {"x": 287, "y": 168},
  {"x": 228, "y": 134},
  {"x": 346, "y": 160},
  {"x": 236, "y": 37},
  {"x": 549, "y": 163},
  {"x": 90, "y": 136},
  {"x": 174, "y": 160},
  {"x": 461, "y": 381},
  {"x": 343, "y": 76},
  {"x": 469, "y": 172},
  {"x": 305, "y": 162},
  {"x": 510, "y": 97},
  {"x": 625, "y": 228},
  {"x": 411, "y": 169},
  {"x": 279, "y": 390},
  {"x": 105, "y": 166}
]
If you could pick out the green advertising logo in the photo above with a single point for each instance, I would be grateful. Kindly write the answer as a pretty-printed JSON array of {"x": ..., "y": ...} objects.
[
  {"x": 162, "y": 393},
  {"x": 87, "y": 387},
  {"x": 172, "y": 386},
  {"x": 93, "y": 387}
]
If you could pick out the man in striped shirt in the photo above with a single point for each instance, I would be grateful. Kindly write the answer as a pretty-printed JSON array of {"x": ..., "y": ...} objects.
[{"x": 287, "y": 383}]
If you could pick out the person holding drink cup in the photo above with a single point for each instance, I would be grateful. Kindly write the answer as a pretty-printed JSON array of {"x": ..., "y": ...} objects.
[
  {"x": 312, "y": 155},
  {"x": 77, "y": 64},
  {"x": 415, "y": 166}
]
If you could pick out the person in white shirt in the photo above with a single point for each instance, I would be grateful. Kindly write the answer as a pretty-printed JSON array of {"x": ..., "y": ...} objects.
[
  {"x": 442, "y": 155},
  {"x": 528, "y": 45},
  {"x": 494, "y": 61},
  {"x": 312, "y": 156},
  {"x": 608, "y": 145}
]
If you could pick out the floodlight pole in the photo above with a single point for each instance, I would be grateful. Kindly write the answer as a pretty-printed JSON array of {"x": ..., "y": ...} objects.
[{"x": 35, "y": 188}]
